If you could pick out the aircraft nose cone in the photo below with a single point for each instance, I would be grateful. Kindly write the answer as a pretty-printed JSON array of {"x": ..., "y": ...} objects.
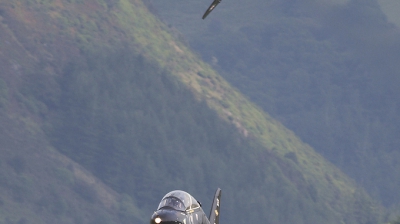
[{"x": 166, "y": 216}]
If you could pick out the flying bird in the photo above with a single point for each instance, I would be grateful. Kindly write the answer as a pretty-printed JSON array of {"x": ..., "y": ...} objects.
[{"x": 212, "y": 7}]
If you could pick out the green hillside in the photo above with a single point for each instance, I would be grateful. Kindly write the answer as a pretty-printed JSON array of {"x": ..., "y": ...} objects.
[
  {"x": 328, "y": 70},
  {"x": 115, "y": 112},
  {"x": 40, "y": 185}
]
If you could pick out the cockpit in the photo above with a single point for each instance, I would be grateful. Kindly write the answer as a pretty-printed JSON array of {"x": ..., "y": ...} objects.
[
  {"x": 178, "y": 200},
  {"x": 172, "y": 202}
]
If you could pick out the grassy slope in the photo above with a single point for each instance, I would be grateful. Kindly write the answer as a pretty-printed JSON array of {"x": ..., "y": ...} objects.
[{"x": 94, "y": 23}]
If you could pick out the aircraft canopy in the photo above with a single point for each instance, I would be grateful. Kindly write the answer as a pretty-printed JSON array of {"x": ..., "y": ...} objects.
[{"x": 179, "y": 200}]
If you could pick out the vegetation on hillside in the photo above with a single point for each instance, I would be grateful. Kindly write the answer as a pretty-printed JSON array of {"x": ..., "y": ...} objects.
[
  {"x": 328, "y": 70},
  {"x": 39, "y": 185},
  {"x": 119, "y": 118},
  {"x": 106, "y": 85}
]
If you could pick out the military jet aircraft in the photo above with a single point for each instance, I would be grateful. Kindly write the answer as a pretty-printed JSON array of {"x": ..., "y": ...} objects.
[
  {"x": 179, "y": 207},
  {"x": 212, "y": 7}
]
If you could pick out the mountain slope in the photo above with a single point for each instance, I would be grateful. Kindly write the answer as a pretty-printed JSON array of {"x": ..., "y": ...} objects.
[
  {"x": 104, "y": 83},
  {"x": 326, "y": 69},
  {"x": 40, "y": 185}
]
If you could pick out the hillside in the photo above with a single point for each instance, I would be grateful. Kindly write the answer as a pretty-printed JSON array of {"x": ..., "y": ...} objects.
[
  {"x": 328, "y": 70},
  {"x": 40, "y": 185},
  {"x": 115, "y": 112}
]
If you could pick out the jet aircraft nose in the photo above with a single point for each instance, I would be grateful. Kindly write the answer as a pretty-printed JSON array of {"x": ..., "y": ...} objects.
[{"x": 168, "y": 216}]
